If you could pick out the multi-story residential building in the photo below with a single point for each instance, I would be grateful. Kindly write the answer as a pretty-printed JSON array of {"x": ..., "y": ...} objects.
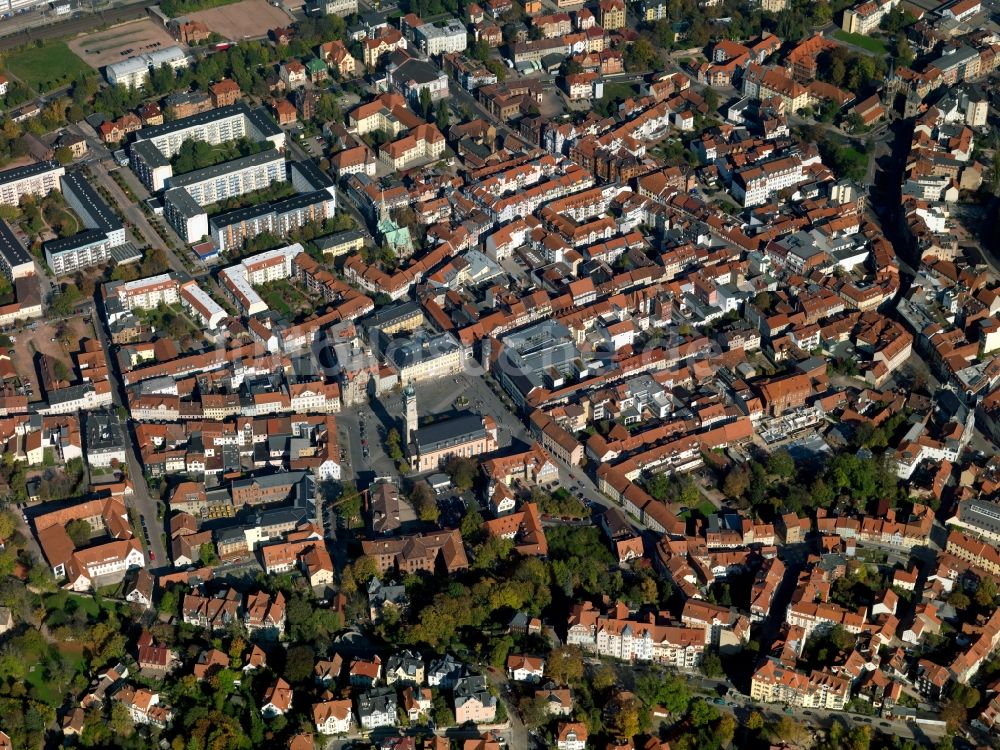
[
  {"x": 422, "y": 356},
  {"x": 444, "y": 673},
  {"x": 820, "y": 617},
  {"x": 15, "y": 261},
  {"x": 338, "y": 57},
  {"x": 264, "y": 616},
  {"x": 377, "y": 708},
  {"x": 775, "y": 683},
  {"x": 144, "y": 294},
  {"x": 866, "y": 17},
  {"x": 35, "y": 179},
  {"x": 525, "y": 668},
  {"x": 266, "y": 488},
  {"x": 756, "y": 185},
  {"x": 623, "y": 637},
  {"x": 571, "y": 736},
  {"x": 725, "y": 627},
  {"x": 387, "y": 41},
  {"x": 340, "y": 8},
  {"x": 225, "y": 93},
  {"x": 189, "y": 193},
  {"x": 333, "y": 716},
  {"x": 612, "y": 14},
  {"x": 239, "y": 280},
  {"x": 216, "y": 613},
  {"x": 105, "y": 439},
  {"x": 216, "y": 126},
  {"x": 231, "y": 230},
  {"x": 277, "y": 699},
  {"x": 404, "y": 667},
  {"x": 144, "y": 706},
  {"x": 95, "y": 565},
  {"x": 233, "y": 178},
  {"x": 473, "y": 701}
]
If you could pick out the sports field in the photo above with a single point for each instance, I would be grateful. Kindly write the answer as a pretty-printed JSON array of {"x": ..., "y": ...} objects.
[{"x": 47, "y": 67}]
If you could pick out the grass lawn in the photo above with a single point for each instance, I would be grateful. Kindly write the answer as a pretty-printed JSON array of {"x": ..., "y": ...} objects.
[
  {"x": 874, "y": 46},
  {"x": 61, "y": 602},
  {"x": 706, "y": 508},
  {"x": 47, "y": 67},
  {"x": 42, "y": 688}
]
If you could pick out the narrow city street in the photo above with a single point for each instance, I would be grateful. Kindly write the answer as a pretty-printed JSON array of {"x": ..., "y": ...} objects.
[{"x": 142, "y": 501}]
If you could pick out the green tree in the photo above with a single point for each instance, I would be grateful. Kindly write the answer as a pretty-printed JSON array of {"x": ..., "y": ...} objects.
[
  {"x": 78, "y": 532},
  {"x": 348, "y": 505},
  {"x": 471, "y": 527},
  {"x": 640, "y": 56},
  {"x": 737, "y": 481},
  {"x": 565, "y": 665},
  {"x": 299, "y": 663},
  {"x": 64, "y": 155},
  {"x": 711, "y": 100},
  {"x": 494, "y": 550},
  {"x": 393, "y": 444},
  {"x": 207, "y": 555},
  {"x": 986, "y": 592},
  {"x": 625, "y": 716},
  {"x": 534, "y": 711},
  {"x": 780, "y": 463},
  {"x": 426, "y": 104},
  {"x": 121, "y": 722},
  {"x": 462, "y": 472},
  {"x": 442, "y": 713},
  {"x": 711, "y": 664},
  {"x": 443, "y": 115},
  {"x": 423, "y": 502}
]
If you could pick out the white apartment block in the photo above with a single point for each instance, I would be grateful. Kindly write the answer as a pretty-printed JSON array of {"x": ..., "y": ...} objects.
[
  {"x": 866, "y": 17},
  {"x": 233, "y": 178},
  {"x": 196, "y": 301},
  {"x": 35, "y": 179},
  {"x": 148, "y": 293},
  {"x": 756, "y": 185},
  {"x": 239, "y": 280},
  {"x": 75, "y": 253},
  {"x": 215, "y": 126}
]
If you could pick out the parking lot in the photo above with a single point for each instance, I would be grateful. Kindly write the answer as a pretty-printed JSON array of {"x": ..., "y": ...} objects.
[
  {"x": 55, "y": 339},
  {"x": 121, "y": 42}
]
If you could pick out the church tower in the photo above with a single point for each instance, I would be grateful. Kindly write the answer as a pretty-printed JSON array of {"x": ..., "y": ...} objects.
[{"x": 410, "y": 402}]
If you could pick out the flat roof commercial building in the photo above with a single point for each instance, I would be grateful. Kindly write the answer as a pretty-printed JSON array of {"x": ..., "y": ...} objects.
[{"x": 133, "y": 72}]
